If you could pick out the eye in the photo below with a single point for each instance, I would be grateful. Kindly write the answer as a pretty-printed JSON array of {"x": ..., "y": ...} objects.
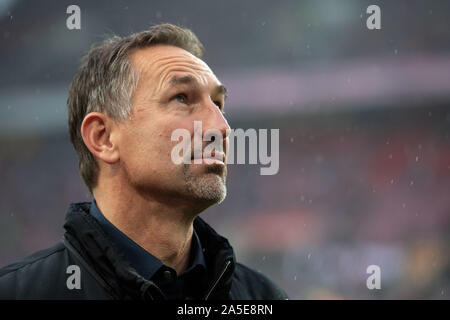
[{"x": 181, "y": 97}]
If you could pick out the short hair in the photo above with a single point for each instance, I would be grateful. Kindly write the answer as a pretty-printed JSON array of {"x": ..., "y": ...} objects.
[{"x": 106, "y": 80}]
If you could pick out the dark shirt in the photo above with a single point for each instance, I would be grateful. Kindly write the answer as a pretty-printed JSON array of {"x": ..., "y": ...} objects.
[{"x": 186, "y": 285}]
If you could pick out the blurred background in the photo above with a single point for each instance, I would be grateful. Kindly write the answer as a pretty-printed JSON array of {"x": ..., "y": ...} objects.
[{"x": 364, "y": 119}]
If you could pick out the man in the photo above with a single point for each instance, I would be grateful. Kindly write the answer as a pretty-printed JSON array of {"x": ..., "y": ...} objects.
[{"x": 141, "y": 237}]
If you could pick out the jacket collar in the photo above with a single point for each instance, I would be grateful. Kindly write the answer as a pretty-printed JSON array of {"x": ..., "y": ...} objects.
[
  {"x": 144, "y": 262},
  {"x": 85, "y": 234}
]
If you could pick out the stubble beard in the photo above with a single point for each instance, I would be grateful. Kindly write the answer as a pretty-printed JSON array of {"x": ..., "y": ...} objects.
[{"x": 209, "y": 186}]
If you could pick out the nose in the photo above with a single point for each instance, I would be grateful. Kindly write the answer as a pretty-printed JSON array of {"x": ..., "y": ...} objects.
[{"x": 215, "y": 120}]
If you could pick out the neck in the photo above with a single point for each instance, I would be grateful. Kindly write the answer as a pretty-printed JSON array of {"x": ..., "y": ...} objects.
[{"x": 162, "y": 228}]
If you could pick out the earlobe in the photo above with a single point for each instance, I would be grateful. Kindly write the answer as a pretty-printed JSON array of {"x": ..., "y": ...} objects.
[{"x": 96, "y": 131}]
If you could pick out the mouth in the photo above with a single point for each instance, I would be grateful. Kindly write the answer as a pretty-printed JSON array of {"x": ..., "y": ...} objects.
[{"x": 214, "y": 158}]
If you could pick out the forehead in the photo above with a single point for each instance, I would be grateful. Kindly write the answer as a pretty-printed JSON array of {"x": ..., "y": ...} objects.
[{"x": 159, "y": 64}]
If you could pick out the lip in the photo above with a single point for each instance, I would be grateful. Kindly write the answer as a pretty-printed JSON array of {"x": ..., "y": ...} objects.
[
  {"x": 213, "y": 161},
  {"x": 215, "y": 158}
]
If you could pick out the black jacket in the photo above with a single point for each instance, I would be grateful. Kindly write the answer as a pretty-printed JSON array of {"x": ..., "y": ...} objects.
[{"x": 106, "y": 274}]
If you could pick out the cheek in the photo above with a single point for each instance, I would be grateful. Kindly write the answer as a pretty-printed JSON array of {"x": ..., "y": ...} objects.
[{"x": 147, "y": 150}]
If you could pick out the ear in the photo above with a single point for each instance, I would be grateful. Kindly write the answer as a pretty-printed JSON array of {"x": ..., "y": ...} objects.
[{"x": 97, "y": 132}]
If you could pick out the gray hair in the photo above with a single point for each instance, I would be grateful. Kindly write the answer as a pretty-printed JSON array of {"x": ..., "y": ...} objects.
[{"x": 106, "y": 81}]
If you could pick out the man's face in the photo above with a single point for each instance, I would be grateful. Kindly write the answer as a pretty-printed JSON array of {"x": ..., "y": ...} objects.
[{"x": 175, "y": 89}]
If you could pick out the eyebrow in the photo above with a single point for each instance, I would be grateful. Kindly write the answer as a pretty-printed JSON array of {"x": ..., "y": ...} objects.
[{"x": 190, "y": 80}]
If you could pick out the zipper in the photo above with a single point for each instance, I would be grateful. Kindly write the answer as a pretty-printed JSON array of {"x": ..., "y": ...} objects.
[
  {"x": 161, "y": 294},
  {"x": 218, "y": 279},
  {"x": 91, "y": 270}
]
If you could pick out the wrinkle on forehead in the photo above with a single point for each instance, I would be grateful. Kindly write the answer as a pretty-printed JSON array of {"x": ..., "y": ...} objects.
[
  {"x": 168, "y": 71},
  {"x": 158, "y": 63}
]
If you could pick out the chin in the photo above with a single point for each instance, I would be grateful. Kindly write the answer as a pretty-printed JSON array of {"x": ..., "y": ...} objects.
[
  {"x": 206, "y": 187},
  {"x": 210, "y": 188}
]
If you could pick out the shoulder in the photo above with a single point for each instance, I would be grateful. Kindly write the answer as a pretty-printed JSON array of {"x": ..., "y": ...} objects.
[
  {"x": 252, "y": 284},
  {"x": 37, "y": 257},
  {"x": 37, "y": 268}
]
